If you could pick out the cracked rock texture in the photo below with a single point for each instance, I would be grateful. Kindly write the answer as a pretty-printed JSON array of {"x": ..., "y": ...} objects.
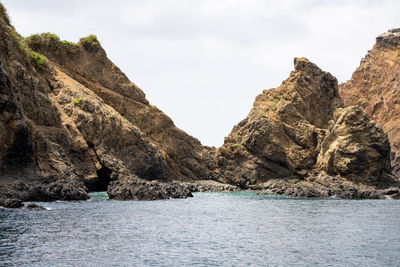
[{"x": 375, "y": 87}]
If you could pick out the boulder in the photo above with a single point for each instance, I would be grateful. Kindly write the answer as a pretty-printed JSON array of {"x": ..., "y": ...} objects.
[{"x": 356, "y": 148}]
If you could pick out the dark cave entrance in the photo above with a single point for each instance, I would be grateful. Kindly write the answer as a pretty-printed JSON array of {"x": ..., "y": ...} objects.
[{"x": 103, "y": 180}]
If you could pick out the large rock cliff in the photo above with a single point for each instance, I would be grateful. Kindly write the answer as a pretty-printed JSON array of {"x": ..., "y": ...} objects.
[
  {"x": 69, "y": 114},
  {"x": 375, "y": 86},
  {"x": 300, "y": 140}
]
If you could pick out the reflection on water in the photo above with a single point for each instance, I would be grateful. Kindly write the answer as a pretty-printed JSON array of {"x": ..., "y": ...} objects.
[{"x": 218, "y": 229}]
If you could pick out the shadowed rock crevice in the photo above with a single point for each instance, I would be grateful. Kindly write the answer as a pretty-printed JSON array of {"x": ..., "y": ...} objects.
[{"x": 101, "y": 181}]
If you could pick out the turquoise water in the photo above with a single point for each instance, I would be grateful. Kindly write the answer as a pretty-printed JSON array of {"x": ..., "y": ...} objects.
[{"x": 210, "y": 229}]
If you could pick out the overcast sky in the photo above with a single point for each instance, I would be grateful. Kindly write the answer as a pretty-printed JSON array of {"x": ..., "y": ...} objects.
[{"x": 203, "y": 62}]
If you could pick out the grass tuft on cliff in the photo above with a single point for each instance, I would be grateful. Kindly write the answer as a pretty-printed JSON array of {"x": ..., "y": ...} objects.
[
  {"x": 47, "y": 39},
  {"x": 38, "y": 40},
  {"x": 89, "y": 41},
  {"x": 17, "y": 38},
  {"x": 38, "y": 60}
]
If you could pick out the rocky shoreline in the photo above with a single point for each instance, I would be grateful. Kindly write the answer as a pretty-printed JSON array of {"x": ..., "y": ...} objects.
[
  {"x": 319, "y": 186},
  {"x": 72, "y": 122}
]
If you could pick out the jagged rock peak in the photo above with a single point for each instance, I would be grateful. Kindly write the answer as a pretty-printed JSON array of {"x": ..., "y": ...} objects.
[
  {"x": 390, "y": 38},
  {"x": 303, "y": 64}
]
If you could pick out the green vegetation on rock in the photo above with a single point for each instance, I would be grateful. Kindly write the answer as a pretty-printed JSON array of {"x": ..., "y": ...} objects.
[
  {"x": 17, "y": 39},
  {"x": 38, "y": 60},
  {"x": 78, "y": 101},
  {"x": 89, "y": 41},
  {"x": 37, "y": 40}
]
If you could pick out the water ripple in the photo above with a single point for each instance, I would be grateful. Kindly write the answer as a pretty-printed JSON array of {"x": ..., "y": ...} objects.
[{"x": 211, "y": 229}]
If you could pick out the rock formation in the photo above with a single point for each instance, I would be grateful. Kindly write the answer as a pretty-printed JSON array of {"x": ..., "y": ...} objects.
[
  {"x": 72, "y": 122},
  {"x": 375, "y": 87},
  {"x": 282, "y": 134},
  {"x": 300, "y": 141},
  {"x": 68, "y": 114}
]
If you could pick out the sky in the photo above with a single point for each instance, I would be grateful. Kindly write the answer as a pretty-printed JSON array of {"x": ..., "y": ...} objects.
[{"x": 204, "y": 62}]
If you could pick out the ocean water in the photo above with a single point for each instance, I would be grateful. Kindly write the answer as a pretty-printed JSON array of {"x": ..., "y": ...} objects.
[{"x": 210, "y": 229}]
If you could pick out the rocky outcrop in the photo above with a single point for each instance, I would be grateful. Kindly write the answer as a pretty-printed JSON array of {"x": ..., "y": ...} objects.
[
  {"x": 282, "y": 134},
  {"x": 375, "y": 87},
  {"x": 44, "y": 189},
  {"x": 210, "y": 186},
  {"x": 69, "y": 113},
  {"x": 300, "y": 141},
  {"x": 86, "y": 63},
  {"x": 136, "y": 189},
  {"x": 321, "y": 185},
  {"x": 356, "y": 148}
]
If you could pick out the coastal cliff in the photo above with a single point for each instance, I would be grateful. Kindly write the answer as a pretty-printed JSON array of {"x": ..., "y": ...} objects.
[
  {"x": 300, "y": 140},
  {"x": 71, "y": 122},
  {"x": 70, "y": 116},
  {"x": 375, "y": 87}
]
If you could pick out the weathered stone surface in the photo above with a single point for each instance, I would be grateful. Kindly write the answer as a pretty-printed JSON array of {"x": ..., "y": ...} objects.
[
  {"x": 11, "y": 203},
  {"x": 45, "y": 189},
  {"x": 210, "y": 186},
  {"x": 79, "y": 118},
  {"x": 320, "y": 185},
  {"x": 375, "y": 87},
  {"x": 300, "y": 141},
  {"x": 356, "y": 148},
  {"x": 137, "y": 189},
  {"x": 281, "y": 136},
  {"x": 93, "y": 71}
]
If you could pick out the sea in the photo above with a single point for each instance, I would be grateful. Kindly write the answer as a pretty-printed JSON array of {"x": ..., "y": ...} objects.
[{"x": 210, "y": 229}]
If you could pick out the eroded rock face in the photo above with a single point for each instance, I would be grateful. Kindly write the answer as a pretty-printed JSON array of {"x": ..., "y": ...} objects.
[
  {"x": 282, "y": 134},
  {"x": 78, "y": 118},
  {"x": 299, "y": 140},
  {"x": 375, "y": 87},
  {"x": 355, "y": 147},
  {"x": 89, "y": 66}
]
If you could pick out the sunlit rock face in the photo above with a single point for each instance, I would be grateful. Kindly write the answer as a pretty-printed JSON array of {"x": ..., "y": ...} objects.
[{"x": 375, "y": 87}]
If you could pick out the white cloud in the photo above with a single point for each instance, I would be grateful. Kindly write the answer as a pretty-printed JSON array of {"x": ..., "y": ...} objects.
[{"x": 203, "y": 62}]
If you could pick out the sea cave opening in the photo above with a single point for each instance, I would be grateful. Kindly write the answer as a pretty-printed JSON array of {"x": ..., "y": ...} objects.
[{"x": 103, "y": 180}]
